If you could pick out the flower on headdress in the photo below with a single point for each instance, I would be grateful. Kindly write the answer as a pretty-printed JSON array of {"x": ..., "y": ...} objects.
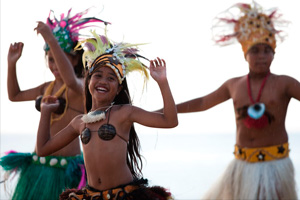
[
  {"x": 66, "y": 30},
  {"x": 122, "y": 58},
  {"x": 250, "y": 25}
]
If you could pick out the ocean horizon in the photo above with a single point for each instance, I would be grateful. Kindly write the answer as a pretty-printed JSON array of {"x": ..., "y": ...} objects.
[{"x": 187, "y": 164}]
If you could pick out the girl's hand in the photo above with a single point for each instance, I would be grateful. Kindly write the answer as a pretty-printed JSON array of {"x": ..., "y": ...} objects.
[
  {"x": 158, "y": 69},
  {"x": 44, "y": 30},
  {"x": 15, "y": 52},
  {"x": 50, "y": 103}
]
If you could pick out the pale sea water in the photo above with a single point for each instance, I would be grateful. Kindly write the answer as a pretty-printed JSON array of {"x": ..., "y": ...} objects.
[{"x": 187, "y": 164}]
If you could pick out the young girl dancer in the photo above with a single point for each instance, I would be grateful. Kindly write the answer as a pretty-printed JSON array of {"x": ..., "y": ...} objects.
[
  {"x": 110, "y": 143},
  {"x": 47, "y": 177}
]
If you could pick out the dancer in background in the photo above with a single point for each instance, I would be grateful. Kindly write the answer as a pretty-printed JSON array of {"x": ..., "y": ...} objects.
[
  {"x": 262, "y": 168},
  {"x": 110, "y": 143},
  {"x": 47, "y": 177}
]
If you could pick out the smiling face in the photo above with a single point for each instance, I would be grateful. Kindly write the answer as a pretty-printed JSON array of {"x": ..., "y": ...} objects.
[
  {"x": 260, "y": 58},
  {"x": 103, "y": 86}
]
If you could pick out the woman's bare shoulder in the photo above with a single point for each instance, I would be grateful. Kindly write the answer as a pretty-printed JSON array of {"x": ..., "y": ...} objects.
[
  {"x": 282, "y": 77},
  {"x": 42, "y": 87},
  {"x": 123, "y": 109},
  {"x": 235, "y": 81}
]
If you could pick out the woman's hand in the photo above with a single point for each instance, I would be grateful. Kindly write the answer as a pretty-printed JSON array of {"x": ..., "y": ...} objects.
[
  {"x": 44, "y": 30},
  {"x": 49, "y": 103},
  {"x": 15, "y": 52},
  {"x": 158, "y": 70}
]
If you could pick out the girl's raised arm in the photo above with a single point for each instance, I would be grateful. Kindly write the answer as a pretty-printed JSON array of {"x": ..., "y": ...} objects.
[
  {"x": 64, "y": 65},
  {"x": 47, "y": 144},
  {"x": 13, "y": 88},
  {"x": 168, "y": 117}
]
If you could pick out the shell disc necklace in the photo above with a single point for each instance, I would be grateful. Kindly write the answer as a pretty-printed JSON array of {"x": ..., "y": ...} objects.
[{"x": 96, "y": 115}]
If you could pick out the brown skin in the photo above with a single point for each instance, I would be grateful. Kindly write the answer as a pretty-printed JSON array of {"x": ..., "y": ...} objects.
[
  {"x": 276, "y": 95},
  {"x": 61, "y": 65},
  {"x": 105, "y": 161}
]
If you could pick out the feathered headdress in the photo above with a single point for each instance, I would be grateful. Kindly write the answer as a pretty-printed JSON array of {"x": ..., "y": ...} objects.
[
  {"x": 122, "y": 58},
  {"x": 250, "y": 25},
  {"x": 66, "y": 30}
]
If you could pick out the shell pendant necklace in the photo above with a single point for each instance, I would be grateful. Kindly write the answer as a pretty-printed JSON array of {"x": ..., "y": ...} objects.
[
  {"x": 96, "y": 115},
  {"x": 257, "y": 109}
]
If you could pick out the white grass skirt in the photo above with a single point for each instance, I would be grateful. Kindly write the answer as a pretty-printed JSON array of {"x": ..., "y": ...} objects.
[{"x": 263, "y": 180}]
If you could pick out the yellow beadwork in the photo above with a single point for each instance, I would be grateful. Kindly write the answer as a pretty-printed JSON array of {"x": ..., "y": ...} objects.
[{"x": 262, "y": 154}]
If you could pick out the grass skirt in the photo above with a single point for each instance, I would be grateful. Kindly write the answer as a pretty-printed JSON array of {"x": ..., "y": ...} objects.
[
  {"x": 42, "y": 177},
  {"x": 260, "y": 180}
]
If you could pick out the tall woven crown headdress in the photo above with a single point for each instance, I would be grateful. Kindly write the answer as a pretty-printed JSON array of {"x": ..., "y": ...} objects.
[{"x": 250, "y": 25}]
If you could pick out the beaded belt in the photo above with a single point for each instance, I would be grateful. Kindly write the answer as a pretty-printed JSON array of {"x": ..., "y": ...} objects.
[{"x": 262, "y": 153}]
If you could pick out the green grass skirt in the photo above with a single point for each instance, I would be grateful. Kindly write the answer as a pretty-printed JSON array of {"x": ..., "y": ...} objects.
[{"x": 42, "y": 177}]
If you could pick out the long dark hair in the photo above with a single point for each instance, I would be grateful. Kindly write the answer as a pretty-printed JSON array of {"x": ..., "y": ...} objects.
[
  {"x": 134, "y": 160},
  {"x": 78, "y": 68}
]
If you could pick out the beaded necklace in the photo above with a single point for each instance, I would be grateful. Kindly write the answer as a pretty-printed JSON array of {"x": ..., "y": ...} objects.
[{"x": 256, "y": 110}]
